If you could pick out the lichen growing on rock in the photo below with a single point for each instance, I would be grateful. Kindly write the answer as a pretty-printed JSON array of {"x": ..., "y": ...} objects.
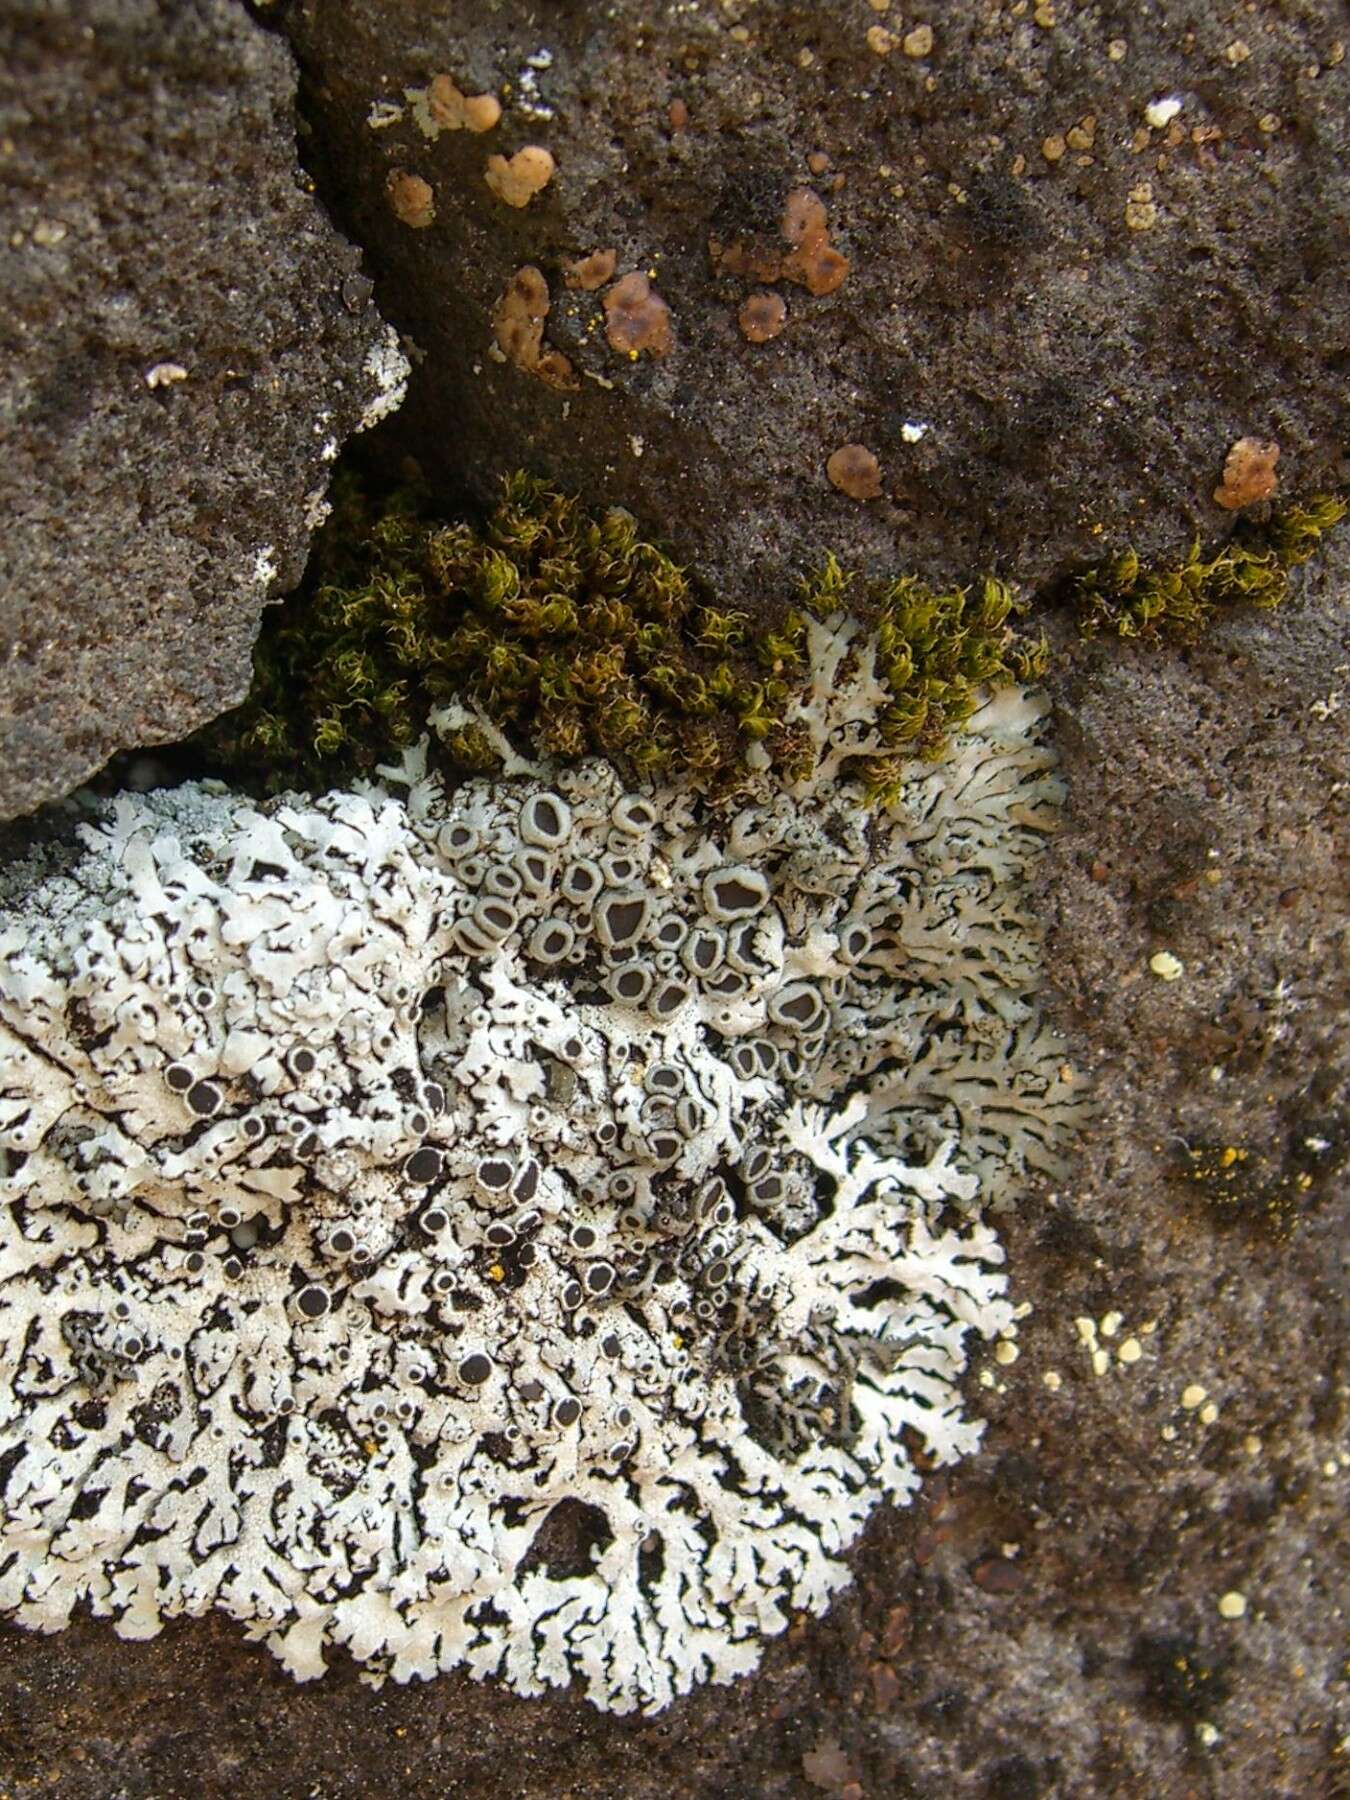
[{"x": 391, "y": 1172}]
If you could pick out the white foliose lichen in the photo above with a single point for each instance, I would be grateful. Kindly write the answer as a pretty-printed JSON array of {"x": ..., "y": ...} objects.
[{"x": 524, "y": 1228}]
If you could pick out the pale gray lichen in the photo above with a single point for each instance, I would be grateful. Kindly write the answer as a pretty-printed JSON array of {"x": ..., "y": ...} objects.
[
  {"x": 391, "y": 1172},
  {"x": 389, "y": 369}
]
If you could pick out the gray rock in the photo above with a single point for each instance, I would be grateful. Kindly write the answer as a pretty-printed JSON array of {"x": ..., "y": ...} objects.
[
  {"x": 1092, "y": 1659},
  {"x": 180, "y": 367},
  {"x": 1206, "y": 821},
  {"x": 1057, "y": 319}
]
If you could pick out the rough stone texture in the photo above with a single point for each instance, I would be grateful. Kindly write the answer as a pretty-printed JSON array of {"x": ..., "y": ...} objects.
[
  {"x": 1075, "y": 313},
  {"x": 958, "y": 1665},
  {"x": 154, "y": 214}
]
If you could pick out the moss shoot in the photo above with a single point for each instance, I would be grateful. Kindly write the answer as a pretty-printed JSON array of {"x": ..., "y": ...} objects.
[
  {"x": 1250, "y": 568},
  {"x": 934, "y": 651},
  {"x": 576, "y": 636}
]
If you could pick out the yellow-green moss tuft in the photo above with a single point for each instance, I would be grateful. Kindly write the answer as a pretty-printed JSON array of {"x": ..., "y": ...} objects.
[
  {"x": 1251, "y": 567},
  {"x": 935, "y": 652},
  {"x": 577, "y": 636}
]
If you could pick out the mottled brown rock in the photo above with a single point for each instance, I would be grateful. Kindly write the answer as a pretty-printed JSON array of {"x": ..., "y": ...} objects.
[
  {"x": 1049, "y": 358},
  {"x": 182, "y": 346}
]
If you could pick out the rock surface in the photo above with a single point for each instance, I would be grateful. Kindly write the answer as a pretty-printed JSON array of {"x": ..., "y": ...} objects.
[
  {"x": 1088, "y": 250},
  {"x": 1046, "y": 1625},
  {"x": 186, "y": 343},
  {"x": 1045, "y": 1622}
]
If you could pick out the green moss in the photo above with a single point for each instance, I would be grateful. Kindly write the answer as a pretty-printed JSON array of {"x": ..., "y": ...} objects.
[
  {"x": 559, "y": 623},
  {"x": 935, "y": 651},
  {"x": 576, "y": 636},
  {"x": 1177, "y": 601}
]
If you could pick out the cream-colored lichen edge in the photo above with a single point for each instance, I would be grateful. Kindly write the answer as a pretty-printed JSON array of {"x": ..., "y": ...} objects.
[{"x": 522, "y": 1228}]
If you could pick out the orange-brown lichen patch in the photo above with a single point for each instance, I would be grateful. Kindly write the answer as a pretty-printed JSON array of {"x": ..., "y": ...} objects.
[
  {"x": 677, "y": 114},
  {"x": 449, "y": 109},
  {"x": 518, "y": 327},
  {"x": 1248, "y": 474},
  {"x": 637, "y": 318},
  {"x": 814, "y": 262},
  {"x": 411, "y": 198},
  {"x": 855, "y": 471},
  {"x": 752, "y": 262},
  {"x": 811, "y": 260},
  {"x": 591, "y": 272},
  {"x": 517, "y": 179},
  {"x": 762, "y": 316}
]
